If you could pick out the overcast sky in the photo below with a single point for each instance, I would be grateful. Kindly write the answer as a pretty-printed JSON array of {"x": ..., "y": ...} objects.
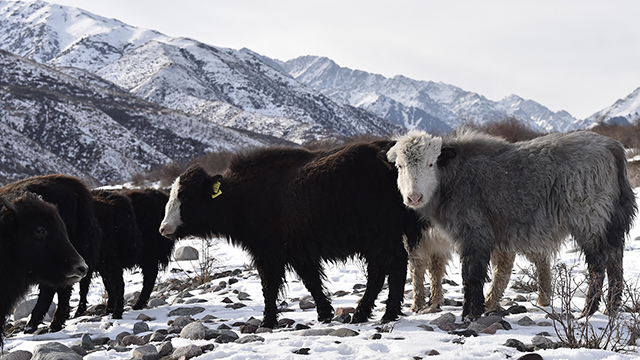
[{"x": 580, "y": 56}]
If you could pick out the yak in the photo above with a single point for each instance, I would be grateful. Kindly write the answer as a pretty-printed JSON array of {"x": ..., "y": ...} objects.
[
  {"x": 75, "y": 206},
  {"x": 292, "y": 208},
  {"x": 34, "y": 249},
  {"x": 485, "y": 194}
]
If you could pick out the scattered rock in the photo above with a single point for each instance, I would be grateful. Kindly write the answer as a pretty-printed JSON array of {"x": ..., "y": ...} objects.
[
  {"x": 146, "y": 352},
  {"x": 301, "y": 327},
  {"x": 194, "y": 331},
  {"x": 121, "y": 336},
  {"x": 25, "y": 308},
  {"x": 188, "y": 352},
  {"x": 235, "y": 306},
  {"x": 140, "y": 327},
  {"x": 186, "y": 311},
  {"x": 544, "y": 323},
  {"x": 340, "y": 293},
  {"x": 227, "y": 336},
  {"x": 505, "y": 324},
  {"x": 533, "y": 356},
  {"x": 314, "y": 332},
  {"x": 359, "y": 287},
  {"x": 303, "y": 351},
  {"x": 542, "y": 342},
  {"x": 227, "y": 300},
  {"x": 224, "y": 327},
  {"x": 143, "y": 317},
  {"x": 451, "y": 302},
  {"x": 526, "y": 321},
  {"x": 343, "y": 318},
  {"x": 433, "y": 352},
  {"x": 444, "y": 319},
  {"x": 186, "y": 253},
  {"x": 515, "y": 343},
  {"x": 517, "y": 309},
  {"x": 520, "y": 298},
  {"x": 207, "y": 347},
  {"x": 164, "y": 349},
  {"x": 157, "y": 337},
  {"x": 491, "y": 329},
  {"x": 344, "y": 332},
  {"x": 465, "y": 333},
  {"x": 476, "y": 326},
  {"x": 376, "y": 336},
  {"x": 85, "y": 342},
  {"x": 17, "y": 355},
  {"x": 248, "y": 329},
  {"x": 249, "y": 339},
  {"x": 307, "y": 303},
  {"x": 54, "y": 350},
  {"x": 79, "y": 350},
  {"x": 100, "y": 340},
  {"x": 132, "y": 340},
  {"x": 243, "y": 296},
  {"x": 156, "y": 302},
  {"x": 426, "y": 327},
  {"x": 284, "y": 322}
]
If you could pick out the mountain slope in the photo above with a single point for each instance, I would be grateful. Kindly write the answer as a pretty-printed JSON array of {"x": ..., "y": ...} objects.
[
  {"x": 90, "y": 131},
  {"x": 442, "y": 103},
  {"x": 624, "y": 111}
]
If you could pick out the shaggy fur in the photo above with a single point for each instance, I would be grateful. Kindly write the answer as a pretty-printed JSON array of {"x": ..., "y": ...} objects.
[
  {"x": 294, "y": 208},
  {"x": 34, "y": 248},
  {"x": 485, "y": 194},
  {"x": 148, "y": 205},
  {"x": 120, "y": 248},
  {"x": 75, "y": 206}
]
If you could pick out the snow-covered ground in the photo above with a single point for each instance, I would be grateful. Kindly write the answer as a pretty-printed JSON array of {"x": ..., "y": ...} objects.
[{"x": 402, "y": 340}]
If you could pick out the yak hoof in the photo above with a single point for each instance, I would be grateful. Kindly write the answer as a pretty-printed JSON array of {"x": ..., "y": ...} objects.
[
  {"x": 30, "y": 328},
  {"x": 55, "y": 326},
  {"x": 359, "y": 318},
  {"x": 430, "y": 310}
]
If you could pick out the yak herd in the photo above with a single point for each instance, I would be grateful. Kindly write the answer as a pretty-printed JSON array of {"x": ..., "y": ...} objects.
[{"x": 414, "y": 199}]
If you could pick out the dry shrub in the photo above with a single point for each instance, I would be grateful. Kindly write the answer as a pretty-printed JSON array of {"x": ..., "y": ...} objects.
[
  {"x": 510, "y": 129},
  {"x": 628, "y": 135}
]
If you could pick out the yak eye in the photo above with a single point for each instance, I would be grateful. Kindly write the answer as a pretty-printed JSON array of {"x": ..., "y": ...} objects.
[
  {"x": 41, "y": 231},
  {"x": 399, "y": 166},
  {"x": 431, "y": 165}
]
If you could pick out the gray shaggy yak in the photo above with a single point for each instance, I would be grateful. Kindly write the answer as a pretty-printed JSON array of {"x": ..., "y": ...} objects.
[
  {"x": 486, "y": 194},
  {"x": 294, "y": 209}
]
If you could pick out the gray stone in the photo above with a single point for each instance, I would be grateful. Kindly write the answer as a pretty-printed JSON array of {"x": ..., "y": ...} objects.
[
  {"x": 432, "y": 352},
  {"x": 376, "y": 336},
  {"x": 243, "y": 296},
  {"x": 85, "y": 342},
  {"x": 285, "y": 322},
  {"x": 164, "y": 349},
  {"x": 262, "y": 330},
  {"x": 131, "y": 297},
  {"x": 140, "y": 327},
  {"x": 17, "y": 355},
  {"x": 249, "y": 339},
  {"x": 157, "y": 336},
  {"x": 156, "y": 302},
  {"x": 517, "y": 309},
  {"x": 307, "y": 303},
  {"x": 254, "y": 322},
  {"x": 194, "y": 331},
  {"x": 54, "y": 351},
  {"x": 526, "y": 321},
  {"x": 488, "y": 320},
  {"x": 314, "y": 332},
  {"x": 144, "y": 317},
  {"x": 79, "y": 350},
  {"x": 186, "y": 311},
  {"x": 182, "y": 321},
  {"x": 542, "y": 342},
  {"x": 25, "y": 308},
  {"x": 544, "y": 323},
  {"x": 491, "y": 329},
  {"x": 515, "y": 343},
  {"x": 132, "y": 340},
  {"x": 426, "y": 327},
  {"x": 186, "y": 253},
  {"x": 100, "y": 340},
  {"x": 530, "y": 357},
  {"x": 476, "y": 326},
  {"x": 344, "y": 332},
  {"x": 147, "y": 352},
  {"x": 188, "y": 352},
  {"x": 447, "y": 318}
]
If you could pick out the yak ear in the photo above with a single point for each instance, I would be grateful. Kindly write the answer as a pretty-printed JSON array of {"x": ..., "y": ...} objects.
[{"x": 446, "y": 154}]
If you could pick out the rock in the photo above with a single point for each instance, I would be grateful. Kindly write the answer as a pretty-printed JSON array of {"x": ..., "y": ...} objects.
[
  {"x": 451, "y": 302},
  {"x": 314, "y": 332},
  {"x": 235, "y": 306},
  {"x": 147, "y": 352},
  {"x": 207, "y": 347},
  {"x": 224, "y": 327},
  {"x": 526, "y": 321},
  {"x": 249, "y": 339},
  {"x": 545, "y": 323},
  {"x": 465, "y": 333},
  {"x": 505, "y": 324},
  {"x": 156, "y": 302},
  {"x": 100, "y": 340},
  {"x": 186, "y": 253},
  {"x": 530, "y": 357},
  {"x": 243, "y": 296},
  {"x": 514, "y": 343},
  {"x": 476, "y": 326},
  {"x": 307, "y": 303},
  {"x": 140, "y": 327},
  {"x": 544, "y": 333},
  {"x": 340, "y": 293},
  {"x": 376, "y": 336},
  {"x": 491, "y": 329},
  {"x": 143, "y": 317},
  {"x": 132, "y": 340},
  {"x": 157, "y": 337},
  {"x": 188, "y": 352},
  {"x": 25, "y": 308},
  {"x": 488, "y": 320},
  {"x": 443, "y": 320},
  {"x": 254, "y": 322},
  {"x": 517, "y": 309},
  {"x": 262, "y": 330},
  {"x": 79, "y": 350},
  {"x": 301, "y": 327},
  {"x": 227, "y": 337},
  {"x": 343, "y": 318},
  {"x": 302, "y": 351},
  {"x": 17, "y": 355},
  {"x": 194, "y": 331},
  {"x": 248, "y": 329},
  {"x": 520, "y": 298},
  {"x": 359, "y": 287},
  {"x": 54, "y": 351},
  {"x": 164, "y": 349},
  {"x": 85, "y": 342},
  {"x": 186, "y": 311},
  {"x": 344, "y": 332},
  {"x": 433, "y": 352},
  {"x": 121, "y": 336},
  {"x": 542, "y": 342},
  {"x": 233, "y": 281},
  {"x": 426, "y": 327},
  {"x": 182, "y": 321},
  {"x": 284, "y": 322}
]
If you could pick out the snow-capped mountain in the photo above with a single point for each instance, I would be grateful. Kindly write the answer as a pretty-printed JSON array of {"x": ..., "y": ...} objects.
[
  {"x": 53, "y": 122},
  {"x": 624, "y": 111},
  {"x": 229, "y": 87},
  {"x": 422, "y": 104}
]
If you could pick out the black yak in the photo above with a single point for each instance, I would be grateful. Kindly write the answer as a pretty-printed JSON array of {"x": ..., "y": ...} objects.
[
  {"x": 75, "y": 206},
  {"x": 485, "y": 194},
  {"x": 34, "y": 248},
  {"x": 294, "y": 209}
]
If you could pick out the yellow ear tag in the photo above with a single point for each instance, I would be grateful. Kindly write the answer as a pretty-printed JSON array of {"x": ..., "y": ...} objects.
[{"x": 216, "y": 190}]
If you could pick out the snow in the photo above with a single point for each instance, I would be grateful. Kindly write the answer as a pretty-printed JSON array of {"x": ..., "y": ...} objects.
[{"x": 404, "y": 340}]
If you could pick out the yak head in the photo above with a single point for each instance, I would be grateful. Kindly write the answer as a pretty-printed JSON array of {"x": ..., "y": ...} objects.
[
  {"x": 417, "y": 156},
  {"x": 34, "y": 238},
  {"x": 192, "y": 202}
]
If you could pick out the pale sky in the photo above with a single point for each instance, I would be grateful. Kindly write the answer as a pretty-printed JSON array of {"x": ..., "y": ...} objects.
[{"x": 579, "y": 56}]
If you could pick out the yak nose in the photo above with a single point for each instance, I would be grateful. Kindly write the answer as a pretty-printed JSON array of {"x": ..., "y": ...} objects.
[
  {"x": 414, "y": 198},
  {"x": 81, "y": 270}
]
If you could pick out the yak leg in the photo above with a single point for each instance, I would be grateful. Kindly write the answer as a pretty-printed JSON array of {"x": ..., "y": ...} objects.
[
  {"x": 84, "y": 290},
  {"x": 62, "y": 312},
  {"x": 616, "y": 280},
  {"x": 543, "y": 267},
  {"x": 45, "y": 297},
  {"x": 397, "y": 272},
  {"x": 437, "y": 269},
  {"x": 375, "y": 281},
  {"x": 150, "y": 273},
  {"x": 502, "y": 263},
  {"x": 311, "y": 277},
  {"x": 114, "y": 284},
  {"x": 475, "y": 255},
  {"x": 417, "y": 268},
  {"x": 596, "y": 265},
  {"x": 272, "y": 278}
]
